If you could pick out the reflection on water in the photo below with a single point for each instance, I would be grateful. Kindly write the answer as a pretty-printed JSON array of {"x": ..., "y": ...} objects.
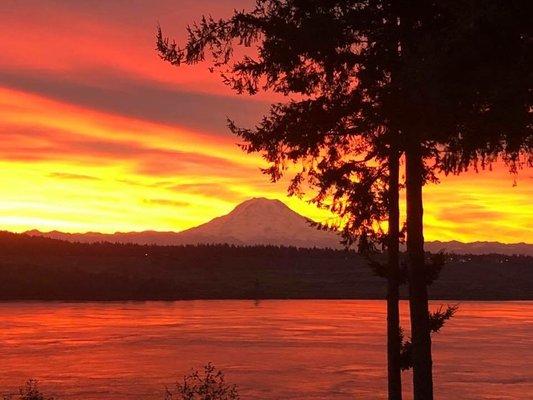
[{"x": 271, "y": 349}]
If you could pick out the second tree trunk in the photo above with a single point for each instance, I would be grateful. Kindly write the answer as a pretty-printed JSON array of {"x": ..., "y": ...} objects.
[
  {"x": 418, "y": 295},
  {"x": 393, "y": 279}
]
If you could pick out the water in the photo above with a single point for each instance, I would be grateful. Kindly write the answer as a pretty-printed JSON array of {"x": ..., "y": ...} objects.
[{"x": 272, "y": 349}]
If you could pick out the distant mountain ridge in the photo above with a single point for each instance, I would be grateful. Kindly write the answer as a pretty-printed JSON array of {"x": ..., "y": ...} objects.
[
  {"x": 479, "y": 248},
  {"x": 267, "y": 222}
]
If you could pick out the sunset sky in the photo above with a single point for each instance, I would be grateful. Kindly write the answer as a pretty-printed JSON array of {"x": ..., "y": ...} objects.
[{"x": 98, "y": 134}]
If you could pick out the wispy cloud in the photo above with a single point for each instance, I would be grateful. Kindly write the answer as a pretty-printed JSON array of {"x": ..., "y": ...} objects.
[
  {"x": 167, "y": 202},
  {"x": 67, "y": 175}
]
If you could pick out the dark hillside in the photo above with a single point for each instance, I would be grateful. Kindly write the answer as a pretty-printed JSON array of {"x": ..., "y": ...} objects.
[{"x": 35, "y": 268}]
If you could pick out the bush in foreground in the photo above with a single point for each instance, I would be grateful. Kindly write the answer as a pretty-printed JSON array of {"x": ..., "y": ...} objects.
[
  {"x": 209, "y": 385},
  {"x": 29, "y": 392}
]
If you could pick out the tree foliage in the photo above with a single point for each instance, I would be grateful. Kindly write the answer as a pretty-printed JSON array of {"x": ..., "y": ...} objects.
[
  {"x": 209, "y": 385},
  {"x": 30, "y": 391},
  {"x": 463, "y": 83},
  {"x": 437, "y": 319},
  {"x": 313, "y": 51}
]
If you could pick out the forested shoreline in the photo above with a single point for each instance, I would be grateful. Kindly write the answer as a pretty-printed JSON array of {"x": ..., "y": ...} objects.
[{"x": 35, "y": 268}]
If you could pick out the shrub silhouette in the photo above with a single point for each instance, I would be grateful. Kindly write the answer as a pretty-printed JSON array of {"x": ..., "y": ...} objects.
[
  {"x": 29, "y": 392},
  {"x": 210, "y": 385}
]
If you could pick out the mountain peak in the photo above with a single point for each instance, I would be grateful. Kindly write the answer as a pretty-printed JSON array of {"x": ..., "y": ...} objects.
[
  {"x": 261, "y": 221},
  {"x": 262, "y": 201},
  {"x": 261, "y": 206}
]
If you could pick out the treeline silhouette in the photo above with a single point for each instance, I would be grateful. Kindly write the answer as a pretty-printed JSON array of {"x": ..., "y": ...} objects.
[{"x": 36, "y": 268}]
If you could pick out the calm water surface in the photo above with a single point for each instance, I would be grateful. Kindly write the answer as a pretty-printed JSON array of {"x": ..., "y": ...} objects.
[{"x": 272, "y": 349}]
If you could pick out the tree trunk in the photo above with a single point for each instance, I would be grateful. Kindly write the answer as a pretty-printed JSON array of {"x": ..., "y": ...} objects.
[
  {"x": 393, "y": 295},
  {"x": 418, "y": 296}
]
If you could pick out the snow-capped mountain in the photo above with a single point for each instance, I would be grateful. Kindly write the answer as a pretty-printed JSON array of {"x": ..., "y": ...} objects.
[
  {"x": 255, "y": 221},
  {"x": 268, "y": 222},
  {"x": 261, "y": 221}
]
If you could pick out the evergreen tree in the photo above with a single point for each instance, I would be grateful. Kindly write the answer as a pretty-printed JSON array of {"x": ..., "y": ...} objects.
[
  {"x": 314, "y": 49},
  {"x": 466, "y": 84},
  {"x": 371, "y": 80}
]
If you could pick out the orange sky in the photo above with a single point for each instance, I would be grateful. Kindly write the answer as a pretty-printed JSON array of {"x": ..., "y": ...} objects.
[{"x": 99, "y": 134}]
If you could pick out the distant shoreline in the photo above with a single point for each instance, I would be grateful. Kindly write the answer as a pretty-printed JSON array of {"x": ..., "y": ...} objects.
[
  {"x": 133, "y": 301},
  {"x": 42, "y": 269}
]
